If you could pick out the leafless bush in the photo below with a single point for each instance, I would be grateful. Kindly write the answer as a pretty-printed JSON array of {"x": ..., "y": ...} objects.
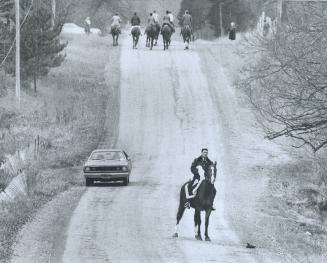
[{"x": 287, "y": 83}]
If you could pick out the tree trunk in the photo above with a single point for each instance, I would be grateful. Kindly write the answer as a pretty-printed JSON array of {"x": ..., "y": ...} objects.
[
  {"x": 221, "y": 20},
  {"x": 34, "y": 77}
]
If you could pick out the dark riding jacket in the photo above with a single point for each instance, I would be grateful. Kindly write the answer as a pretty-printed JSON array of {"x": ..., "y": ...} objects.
[
  {"x": 135, "y": 21},
  {"x": 187, "y": 20},
  {"x": 204, "y": 162}
]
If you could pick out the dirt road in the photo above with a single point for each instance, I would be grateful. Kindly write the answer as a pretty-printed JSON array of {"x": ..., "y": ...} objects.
[
  {"x": 167, "y": 115},
  {"x": 169, "y": 109}
]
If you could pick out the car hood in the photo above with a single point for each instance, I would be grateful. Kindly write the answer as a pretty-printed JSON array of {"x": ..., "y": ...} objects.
[{"x": 95, "y": 163}]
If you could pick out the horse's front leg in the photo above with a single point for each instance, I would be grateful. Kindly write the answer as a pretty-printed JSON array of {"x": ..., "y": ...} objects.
[
  {"x": 197, "y": 224},
  {"x": 208, "y": 212}
]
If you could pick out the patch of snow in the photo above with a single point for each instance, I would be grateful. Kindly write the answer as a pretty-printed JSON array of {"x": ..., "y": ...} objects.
[{"x": 71, "y": 28}]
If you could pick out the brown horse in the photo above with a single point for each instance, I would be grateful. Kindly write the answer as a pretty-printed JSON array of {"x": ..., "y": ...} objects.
[
  {"x": 166, "y": 35},
  {"x": 151, "y": 32},
  {"x": 115, "y": 32},
  {"x": 186, "y": 33},
  {"x": 202, "y": 201},
  {"x": 136, "y": 32}
]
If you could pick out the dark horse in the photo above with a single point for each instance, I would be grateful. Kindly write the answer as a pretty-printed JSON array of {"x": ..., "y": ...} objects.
[
  {"x": 136, "y": 32},
  {"x": 152, "y": 32},
  {"x": 187, "y": 33},
  {"x": 166, "y": 35},
  {"x": 201, "y": 202},
  {"x": 115, "y": 31}
]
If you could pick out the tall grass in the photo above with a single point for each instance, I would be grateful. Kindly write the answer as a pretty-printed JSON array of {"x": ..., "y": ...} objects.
[{"x": 63, "y": 122}]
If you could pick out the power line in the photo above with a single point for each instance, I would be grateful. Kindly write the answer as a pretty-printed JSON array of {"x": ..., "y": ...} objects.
[{"x": 13, "y": 43}]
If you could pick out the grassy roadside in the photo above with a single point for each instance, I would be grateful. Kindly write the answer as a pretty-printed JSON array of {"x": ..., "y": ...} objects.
[
  {"x": 68, "y": 114},
  {"x": 276, "y": 202}
]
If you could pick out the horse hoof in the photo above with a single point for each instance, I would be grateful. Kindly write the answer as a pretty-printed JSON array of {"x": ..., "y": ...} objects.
[
  {"x": 175, "y": 235},
  {"x": 207, "y": 238},
  {"x": 198, "y": 237}
]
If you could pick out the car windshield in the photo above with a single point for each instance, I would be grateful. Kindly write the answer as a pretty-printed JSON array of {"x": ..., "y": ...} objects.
[{"x": 113, "y": 155}]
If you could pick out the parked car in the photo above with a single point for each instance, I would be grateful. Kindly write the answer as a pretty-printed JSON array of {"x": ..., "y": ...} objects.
[{"x": 107, "y": 165}]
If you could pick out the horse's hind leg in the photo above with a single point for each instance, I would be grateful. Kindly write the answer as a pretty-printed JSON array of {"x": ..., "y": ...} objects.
[
  {"x": 197, "y": 224},
  {"x": 208, "y": 212}
]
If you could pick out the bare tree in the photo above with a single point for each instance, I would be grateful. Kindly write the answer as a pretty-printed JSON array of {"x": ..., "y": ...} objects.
[{"x": 287, "y": 83}]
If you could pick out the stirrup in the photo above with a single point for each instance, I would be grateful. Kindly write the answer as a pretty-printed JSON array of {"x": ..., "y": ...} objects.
[{"x": 187, "y": 205}]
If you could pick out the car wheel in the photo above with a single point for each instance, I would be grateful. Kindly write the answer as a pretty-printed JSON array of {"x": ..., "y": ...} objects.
[
  {"x": 126, "y": 181},
  {"x": 88, "y": 182}
]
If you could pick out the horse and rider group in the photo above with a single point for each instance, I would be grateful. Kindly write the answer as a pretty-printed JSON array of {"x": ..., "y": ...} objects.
[
  {"x": 198, "y": 193},
  {"x": 154, "y": 29}
]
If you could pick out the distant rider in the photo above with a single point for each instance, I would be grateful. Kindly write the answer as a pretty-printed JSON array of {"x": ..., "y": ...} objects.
[
  {"x": 205, "y": 163},
  {"x": 155, "y": 16},
  {"x": 135, "y": 21},
  {"x": 156, "y": 19},
  {"x": 151, "y": 20},
  {"x": 166, "y": 21},
  {"x": 171, "y": 16},
  {"x": 115, "y": 22},
  {"x": 187, "y": 20}
]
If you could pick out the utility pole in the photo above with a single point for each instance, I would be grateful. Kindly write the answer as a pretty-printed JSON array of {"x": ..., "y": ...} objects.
[{"x": 17, "y": 7}]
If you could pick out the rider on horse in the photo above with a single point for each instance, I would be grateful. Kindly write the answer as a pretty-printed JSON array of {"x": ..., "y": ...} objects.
[
  {"x": 151, "y": 22},
  {"x": 135, "y": 21},
  {"x": 156, "y": 19},
  {"x": 205, "y": 163},
  {"x": 187, "y": 20},
  {"x": 166, "y": 20},
  {"x": 155, "y": 16},
  {"x": 116, "y": 21}
]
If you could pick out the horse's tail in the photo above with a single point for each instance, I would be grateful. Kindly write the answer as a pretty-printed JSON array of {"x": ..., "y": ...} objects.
[{"x": 182, "y": 201}]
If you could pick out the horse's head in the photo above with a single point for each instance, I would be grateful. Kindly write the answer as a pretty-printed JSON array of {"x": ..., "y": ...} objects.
[{"x": 211, "y": 173}]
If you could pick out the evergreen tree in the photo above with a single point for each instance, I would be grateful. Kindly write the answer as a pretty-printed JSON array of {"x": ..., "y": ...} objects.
[
  {"x": 6, "y": 20},
  {"x": 41, "y": 48}
]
